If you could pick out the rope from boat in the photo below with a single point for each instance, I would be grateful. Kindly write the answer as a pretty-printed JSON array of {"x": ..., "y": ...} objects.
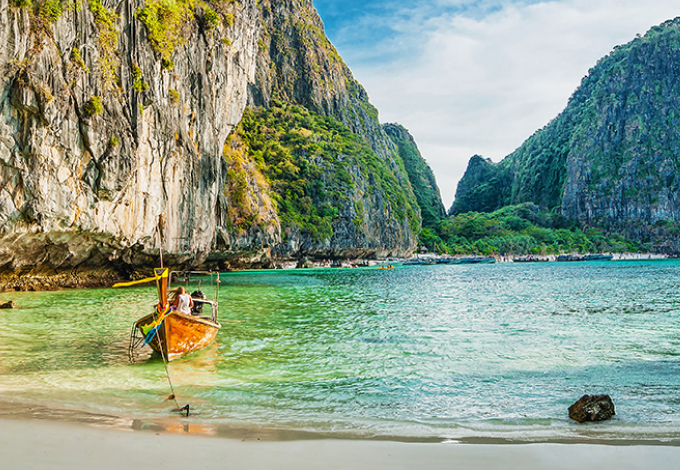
[
  {"x": 167, "y": 371},
  {"x": 133, "y": 342},
  {"x": 165, "y": 364},
  {"x": 172, "y": 389}
]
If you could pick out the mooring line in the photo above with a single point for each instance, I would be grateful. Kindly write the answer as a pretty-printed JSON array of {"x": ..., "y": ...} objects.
[{"x": 172, "y": 396}]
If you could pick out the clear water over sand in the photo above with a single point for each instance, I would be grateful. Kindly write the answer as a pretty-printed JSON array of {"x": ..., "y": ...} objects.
[{"x": 447, "y": 352}]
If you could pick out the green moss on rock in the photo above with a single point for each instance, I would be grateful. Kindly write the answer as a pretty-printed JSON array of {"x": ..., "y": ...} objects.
[
  {"x": 108, "y": 40},
  {"x": 164, "y": 20},
  {"x": 174, "y": 97},
  {"x": 93, "y": 106},
  {"x": 138, "y": 83},
  {"x": 77, "y": 59}
]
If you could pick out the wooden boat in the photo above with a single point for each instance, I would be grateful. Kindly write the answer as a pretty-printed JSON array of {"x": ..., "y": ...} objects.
[
  {"x": 598, "y": 257},
  {"x": 171, "y": 333},
  {"x": 179, "y": 334},
  {"x": 569, "y": 258}
]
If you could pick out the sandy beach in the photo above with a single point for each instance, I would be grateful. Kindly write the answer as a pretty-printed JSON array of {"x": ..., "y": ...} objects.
[{"x": 36, "y": 444}]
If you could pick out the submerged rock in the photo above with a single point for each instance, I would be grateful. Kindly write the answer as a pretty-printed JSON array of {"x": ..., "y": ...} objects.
[
  {"x": 592, "y": 408},
  {"x": 9, "y": 304}
]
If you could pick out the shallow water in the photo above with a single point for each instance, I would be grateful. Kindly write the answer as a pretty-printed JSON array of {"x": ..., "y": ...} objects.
[{"x": 445, "y": 352}]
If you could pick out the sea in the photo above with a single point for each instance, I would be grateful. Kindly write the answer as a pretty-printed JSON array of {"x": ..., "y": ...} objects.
[{"x": 441, "y": 353}]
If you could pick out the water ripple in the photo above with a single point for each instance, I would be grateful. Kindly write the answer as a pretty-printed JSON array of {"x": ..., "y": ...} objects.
[{"x": 445, "y": 351}]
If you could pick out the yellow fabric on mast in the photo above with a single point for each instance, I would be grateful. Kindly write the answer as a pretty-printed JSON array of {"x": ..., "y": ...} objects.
[
  {"x": 157, "y": 276},
  {"x": 162, "y": 285}
]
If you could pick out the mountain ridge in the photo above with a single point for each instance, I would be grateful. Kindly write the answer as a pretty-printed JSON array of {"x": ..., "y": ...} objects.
[{"x": 609, "y": 159}]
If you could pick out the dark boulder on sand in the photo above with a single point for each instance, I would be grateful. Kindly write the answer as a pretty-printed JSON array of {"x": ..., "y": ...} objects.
[{"x": 592, "y": 408}]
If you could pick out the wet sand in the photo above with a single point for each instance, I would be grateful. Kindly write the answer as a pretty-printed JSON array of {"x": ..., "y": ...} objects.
[{"x": 61, "y": 445}]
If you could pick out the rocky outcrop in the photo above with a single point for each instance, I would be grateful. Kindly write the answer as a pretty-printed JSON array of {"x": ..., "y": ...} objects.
[
  {"x": 478, "y": 190},
  {"x": 114, "y": 119},
  {"x": 299, "y": 65},
  {"x": 336, "y": 197},
  {"x": 419, "y": 174},
  {"x": 592, "y": 408},
  {"x": 102, "y": 137},
  {"x": 610, "y": 159}
]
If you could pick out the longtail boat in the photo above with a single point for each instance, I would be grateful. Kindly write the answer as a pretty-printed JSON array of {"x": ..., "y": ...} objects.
[{"x": 169, "y": 332}]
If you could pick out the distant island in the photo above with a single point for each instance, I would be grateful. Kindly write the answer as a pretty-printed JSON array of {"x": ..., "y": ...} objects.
[{"x": 602, "y": 176}]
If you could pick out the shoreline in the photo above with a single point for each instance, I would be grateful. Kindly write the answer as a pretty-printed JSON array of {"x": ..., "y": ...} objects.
[
  {"x": 35, "y": 444},
  {"x": 40, "y": 280},
  {"x": 174, "y": 424}
]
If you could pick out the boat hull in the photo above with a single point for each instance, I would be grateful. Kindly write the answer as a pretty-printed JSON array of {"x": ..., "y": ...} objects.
[{"x": 180, "y": 334}]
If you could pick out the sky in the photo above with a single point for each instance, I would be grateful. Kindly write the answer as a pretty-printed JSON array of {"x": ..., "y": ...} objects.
[{"x": 479, "y": 77}]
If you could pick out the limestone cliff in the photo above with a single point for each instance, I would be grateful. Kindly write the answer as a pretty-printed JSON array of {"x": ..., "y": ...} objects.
[
  {"x": 610, "y": 159},
  {"x": 115, "y": 116},
  {"x": 375, "y": 213},
  {"x": 420, "y": 175}
]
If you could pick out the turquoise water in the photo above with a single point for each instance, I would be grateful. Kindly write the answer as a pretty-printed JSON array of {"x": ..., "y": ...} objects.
[{"x": 419, "y": 352}]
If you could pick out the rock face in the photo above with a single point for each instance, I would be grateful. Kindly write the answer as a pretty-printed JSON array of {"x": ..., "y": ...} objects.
[
  {"x": 420, "y": 175},
  {"x": 610, "y": 159},
  {"x": 479, "y": 189},
  {"x": 592, "y": 408},
  {"x": 114, "y": 119},
  {"x": 299, "y": 65},
  {"x": 106, "y": 145},
  {"x": 336, "y": 197}
]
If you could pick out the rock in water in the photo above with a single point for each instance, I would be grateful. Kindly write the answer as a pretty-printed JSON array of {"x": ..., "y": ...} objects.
[
  {"x": 8, "y": 304},
  {"x": 592, "y": 408}
]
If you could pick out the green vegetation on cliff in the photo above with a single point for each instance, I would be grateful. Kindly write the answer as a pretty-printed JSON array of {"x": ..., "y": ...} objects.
[
  {"x": 315, "y": 167},
  {"x": 420, "y": 175},
  {"x": 522, "y": 230},
  {"x": 165, "y": 21},
  {"x": 106, "y": 21},
  {"x": 300, "y": 66}
]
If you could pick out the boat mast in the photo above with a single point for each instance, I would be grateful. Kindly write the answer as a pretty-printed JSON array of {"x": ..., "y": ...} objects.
[{"x": 163, "y": 284}]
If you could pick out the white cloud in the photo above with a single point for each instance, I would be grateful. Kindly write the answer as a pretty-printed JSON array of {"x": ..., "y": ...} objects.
[{"x": 485, "y": 84}]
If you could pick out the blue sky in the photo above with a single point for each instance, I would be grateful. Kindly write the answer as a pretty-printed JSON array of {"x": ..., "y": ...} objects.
[
  {"x": 478, "y": 77},
  {"x": 355, "y": 24}
]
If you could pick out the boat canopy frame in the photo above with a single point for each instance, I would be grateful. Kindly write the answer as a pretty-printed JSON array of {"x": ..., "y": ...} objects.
[{"x": 185, "y": 277}]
